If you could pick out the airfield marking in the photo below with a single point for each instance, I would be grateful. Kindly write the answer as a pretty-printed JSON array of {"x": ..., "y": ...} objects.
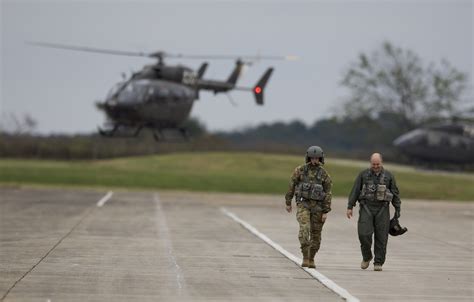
[
  {"x": 88, "y": 212},
  {"x": 164, "y": 233},
  {"x": 104, "y": 199},
  {"x": 313, "y": 272}
]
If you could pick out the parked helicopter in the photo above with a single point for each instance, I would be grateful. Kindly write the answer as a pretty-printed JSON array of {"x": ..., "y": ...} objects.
[
  {"x": 440, "y": 143},
  {"x": 159, "y": 96}
]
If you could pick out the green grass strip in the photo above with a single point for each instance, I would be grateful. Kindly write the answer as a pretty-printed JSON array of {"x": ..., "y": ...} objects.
[{"x": 222, "y": 172}]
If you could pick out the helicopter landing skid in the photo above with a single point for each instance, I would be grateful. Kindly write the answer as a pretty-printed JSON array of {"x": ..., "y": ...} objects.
[
  {"x": 184, "y": 133},
  {"x": 108, "y": 132},
  {"x": 157, "y": 135},
  {"x": 173, "y": 134},
  {"x": 113, "y": 132}
]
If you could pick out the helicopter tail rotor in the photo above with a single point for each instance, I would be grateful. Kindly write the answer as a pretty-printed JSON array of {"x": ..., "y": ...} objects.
[
  {"x": 260, "y": 86},
  {"x": 234, "y": 76}
]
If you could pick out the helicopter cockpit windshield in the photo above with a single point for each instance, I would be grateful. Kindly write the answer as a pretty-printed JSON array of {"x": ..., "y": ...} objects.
[
  {"x": 113, "y": 91},
  {"x": 132, "y": 92}
]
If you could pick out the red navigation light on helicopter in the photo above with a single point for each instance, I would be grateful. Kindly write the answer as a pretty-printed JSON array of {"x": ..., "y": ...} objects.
[{"x": 258, "y": 89}]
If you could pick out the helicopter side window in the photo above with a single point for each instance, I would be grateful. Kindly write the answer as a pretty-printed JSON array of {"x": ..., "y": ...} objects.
[
  {"x": 178, "y": 94},
  {"x": 163, "y": 93}
]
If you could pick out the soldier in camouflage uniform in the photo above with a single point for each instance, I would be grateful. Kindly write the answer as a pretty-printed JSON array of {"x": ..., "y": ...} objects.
[
  {"x": 374, "y": 188},
  {"x": 312, "y": 186}
]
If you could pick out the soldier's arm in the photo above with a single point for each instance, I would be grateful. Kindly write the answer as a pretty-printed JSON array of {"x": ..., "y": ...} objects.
[
  {"x": 291, "y": 187},
  {"x": 327, "y": 186},
  {"x": 355, "y": 192},
  {"x": 396, "y": 202}
]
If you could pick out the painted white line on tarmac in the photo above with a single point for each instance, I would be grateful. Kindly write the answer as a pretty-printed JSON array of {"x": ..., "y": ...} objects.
[
  {"x": 104, "y": 199},
  {"x": 164, "y": 235},
  {"x": 314, "y": 273}
]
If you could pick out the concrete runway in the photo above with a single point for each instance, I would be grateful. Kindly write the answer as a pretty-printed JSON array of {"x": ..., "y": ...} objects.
[{"x": 60, "y": 245}]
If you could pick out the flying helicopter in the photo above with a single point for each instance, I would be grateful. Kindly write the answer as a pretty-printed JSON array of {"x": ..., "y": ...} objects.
[
  {"x": 439, "y": 143},
  {"x": 159, "y": 96}
]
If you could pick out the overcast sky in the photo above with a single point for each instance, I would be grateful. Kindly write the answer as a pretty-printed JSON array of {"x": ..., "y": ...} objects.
[{"x": 58, "y": 88}]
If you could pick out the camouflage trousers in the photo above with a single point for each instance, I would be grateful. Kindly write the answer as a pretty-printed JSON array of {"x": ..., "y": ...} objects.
[{"x": 311, "y": 225}]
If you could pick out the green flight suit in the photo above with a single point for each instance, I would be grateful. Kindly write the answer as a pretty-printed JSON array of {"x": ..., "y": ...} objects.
[
  {"x": 374, "y": 215},
  {"x": 309, "y": 212}
]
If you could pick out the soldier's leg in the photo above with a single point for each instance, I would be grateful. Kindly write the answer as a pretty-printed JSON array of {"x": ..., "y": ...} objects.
[
  {"x": 365, "y": 229},
  {"x": 382, "y": 226},
  {"x": 304, "y": 220},
  {"x": 316, "y": 230}
]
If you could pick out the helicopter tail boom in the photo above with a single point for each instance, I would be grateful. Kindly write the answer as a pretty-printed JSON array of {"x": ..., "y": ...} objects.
[{"x": 202, "y": 70}]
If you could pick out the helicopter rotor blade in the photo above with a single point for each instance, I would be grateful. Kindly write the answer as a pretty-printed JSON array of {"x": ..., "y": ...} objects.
[
  {"x": 92, "y": 49},
  {"x": 161, "y": 54},
  {"x": 233, "y": 57}
]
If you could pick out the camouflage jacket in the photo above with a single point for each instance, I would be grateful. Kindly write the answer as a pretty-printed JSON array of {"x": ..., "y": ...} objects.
[
  {"x": 369, "y": 175},
  {"x": 312, "y": 170}
]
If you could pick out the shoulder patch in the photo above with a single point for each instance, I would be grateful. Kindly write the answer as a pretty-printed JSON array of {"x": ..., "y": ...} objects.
[{"x": 298, "y": 170}]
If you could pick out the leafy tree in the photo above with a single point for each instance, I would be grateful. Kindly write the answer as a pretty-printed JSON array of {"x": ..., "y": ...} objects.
[
  {"x": 195, "y": 127},
  {"x": 396, "y": 81}
]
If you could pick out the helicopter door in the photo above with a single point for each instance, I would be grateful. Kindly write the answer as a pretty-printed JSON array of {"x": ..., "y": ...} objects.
[{"x": 157, "y": 94}]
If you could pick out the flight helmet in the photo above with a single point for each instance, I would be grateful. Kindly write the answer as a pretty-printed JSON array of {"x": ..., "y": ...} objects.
[
  {"x": 314, "y": 152},
  {"x": 395, "y": 228}
]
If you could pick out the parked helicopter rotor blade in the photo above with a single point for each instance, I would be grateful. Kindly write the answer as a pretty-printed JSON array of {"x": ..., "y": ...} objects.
[{"x": 93, "y": 49}]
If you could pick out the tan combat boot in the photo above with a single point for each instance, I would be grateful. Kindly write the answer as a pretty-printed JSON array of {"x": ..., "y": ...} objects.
[
  {"x": 305, "y": 257},
  {"x": 377, "y": 267},
  {"x": 365, "y": 264},
  {"x": 311, "y": 259}
]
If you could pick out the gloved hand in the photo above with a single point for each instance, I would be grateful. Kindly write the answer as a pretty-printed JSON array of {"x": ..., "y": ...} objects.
[{"x": 397, "y": 213}]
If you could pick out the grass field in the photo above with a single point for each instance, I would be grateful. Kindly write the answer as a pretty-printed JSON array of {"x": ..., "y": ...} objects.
[{"x": 222, "y": 172}]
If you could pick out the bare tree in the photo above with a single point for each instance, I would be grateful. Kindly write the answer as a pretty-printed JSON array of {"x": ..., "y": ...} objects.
[{"x": 12, "y": 124}]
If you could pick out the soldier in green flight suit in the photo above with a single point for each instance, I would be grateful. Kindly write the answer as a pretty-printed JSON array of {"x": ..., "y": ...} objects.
[
  {"x": 374, "y": 188},
  {"x": 311, "y": 185}
]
